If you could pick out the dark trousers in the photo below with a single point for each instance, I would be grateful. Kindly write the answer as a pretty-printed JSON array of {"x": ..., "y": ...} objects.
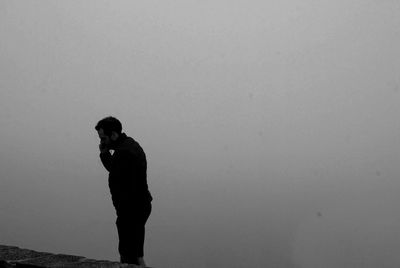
[{"x": 131, "y": 232}]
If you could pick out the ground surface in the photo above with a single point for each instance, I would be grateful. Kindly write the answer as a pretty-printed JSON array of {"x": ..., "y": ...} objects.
[{"x": 15, "y": 257}]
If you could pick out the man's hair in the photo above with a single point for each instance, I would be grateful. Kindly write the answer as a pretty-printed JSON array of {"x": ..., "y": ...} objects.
[{"x": 109, "y": 124}]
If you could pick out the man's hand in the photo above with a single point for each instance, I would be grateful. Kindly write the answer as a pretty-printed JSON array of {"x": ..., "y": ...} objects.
[{"x": 103, "y": 148}]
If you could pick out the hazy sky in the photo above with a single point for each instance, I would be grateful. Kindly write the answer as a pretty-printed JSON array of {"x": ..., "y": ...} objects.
[{"x": 271, "y": 128}]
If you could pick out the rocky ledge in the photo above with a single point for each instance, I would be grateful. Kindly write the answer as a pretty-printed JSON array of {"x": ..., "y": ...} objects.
[{"x": 15, "y": 257}]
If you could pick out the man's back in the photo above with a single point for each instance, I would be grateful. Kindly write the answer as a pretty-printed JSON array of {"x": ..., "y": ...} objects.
[{"x": 128, "y": 174}]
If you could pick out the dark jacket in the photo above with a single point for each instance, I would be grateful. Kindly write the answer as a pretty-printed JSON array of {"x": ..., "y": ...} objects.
[{"x": 127, "y": 174}]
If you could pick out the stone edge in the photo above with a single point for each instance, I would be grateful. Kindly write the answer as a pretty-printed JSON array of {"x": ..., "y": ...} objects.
[{"x": 15, "y": 257}]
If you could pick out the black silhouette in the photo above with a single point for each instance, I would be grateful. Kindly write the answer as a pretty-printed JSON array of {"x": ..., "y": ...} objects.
[{"x": 127, "y": 180}]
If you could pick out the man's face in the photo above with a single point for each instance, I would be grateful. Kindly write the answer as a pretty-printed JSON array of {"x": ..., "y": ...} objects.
[{"x": 104, "y": 139}]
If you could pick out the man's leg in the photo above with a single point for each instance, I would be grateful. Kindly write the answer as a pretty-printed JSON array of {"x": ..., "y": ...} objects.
[
  {"x": 140, "y": 232},
  {"x": 125, "y": 246},
  {"x": 131, "y": 233}
]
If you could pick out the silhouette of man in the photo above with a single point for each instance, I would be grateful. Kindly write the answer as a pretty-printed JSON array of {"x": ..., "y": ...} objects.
[{"x": 127, "y": 180}]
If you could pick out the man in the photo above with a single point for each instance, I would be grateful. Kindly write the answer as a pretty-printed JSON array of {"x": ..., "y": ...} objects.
[{"x": 127, "y": 180}]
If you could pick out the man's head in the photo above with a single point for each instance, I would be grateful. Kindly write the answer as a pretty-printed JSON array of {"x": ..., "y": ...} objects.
[{"x": 109, "y": 130}]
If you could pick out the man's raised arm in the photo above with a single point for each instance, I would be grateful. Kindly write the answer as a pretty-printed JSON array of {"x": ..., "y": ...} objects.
[{"x": 105, "y": 157}]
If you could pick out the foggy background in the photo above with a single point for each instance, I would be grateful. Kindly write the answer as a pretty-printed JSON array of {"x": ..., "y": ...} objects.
[{"x": 271, "y": 128}]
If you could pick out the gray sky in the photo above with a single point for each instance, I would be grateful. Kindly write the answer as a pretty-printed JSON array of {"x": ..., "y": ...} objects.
[{"x": 271, "y": 128}]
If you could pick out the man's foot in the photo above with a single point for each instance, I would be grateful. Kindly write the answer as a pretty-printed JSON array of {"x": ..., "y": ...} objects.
[
  {"x": 138, "y": 263},
  {"x": 138, "y": 266},
  {"x": 141, "y": 262}
]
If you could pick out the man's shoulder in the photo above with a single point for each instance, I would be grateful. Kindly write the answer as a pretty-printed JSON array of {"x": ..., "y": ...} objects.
[{"x": 130, "y": 147}]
